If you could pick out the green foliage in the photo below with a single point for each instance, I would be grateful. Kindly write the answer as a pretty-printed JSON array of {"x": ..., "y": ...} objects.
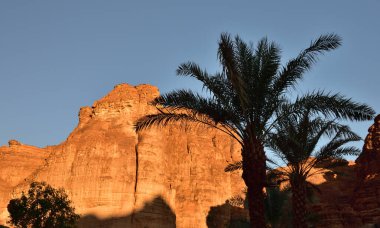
[{"x": 42, "y": 207}]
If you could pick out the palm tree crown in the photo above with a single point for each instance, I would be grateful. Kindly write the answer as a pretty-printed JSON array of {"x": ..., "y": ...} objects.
[
  {"x": 296, "y": 138},
  {"x": 244, "y": 97},
  {"x": 295, "y": 141},
  {"x": 250, "y": 88}
]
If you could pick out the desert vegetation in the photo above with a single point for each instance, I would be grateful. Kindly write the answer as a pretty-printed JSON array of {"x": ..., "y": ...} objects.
[
  {"x": 295, "y": 143},
  {"x": 249, "y": 100},
  {"x": 42, "y": 207}
]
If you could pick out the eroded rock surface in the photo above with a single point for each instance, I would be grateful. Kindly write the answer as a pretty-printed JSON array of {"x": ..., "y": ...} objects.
[
  {"x": 161, "y": 177},
  {"x": 366, "y": 199},
  {"x": 18, "y": 163},
  {"x": 351, "y": 196}
]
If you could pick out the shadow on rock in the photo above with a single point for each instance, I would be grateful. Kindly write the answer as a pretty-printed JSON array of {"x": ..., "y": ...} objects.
[
  {"x": 154, "y": 214},
  {"x": 226, "y": 215}
]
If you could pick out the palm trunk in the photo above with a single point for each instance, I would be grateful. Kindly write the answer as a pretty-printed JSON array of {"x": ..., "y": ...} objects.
[
  {"x": 299, "y": 204},
  {"x": 254, "y": 176}
]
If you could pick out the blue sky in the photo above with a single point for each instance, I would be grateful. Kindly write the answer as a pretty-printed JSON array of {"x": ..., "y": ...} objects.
[{"x": 56, "y": 56}]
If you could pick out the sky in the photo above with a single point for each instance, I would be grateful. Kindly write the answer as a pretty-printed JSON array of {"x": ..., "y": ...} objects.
[{"x": 56, "y": 56}]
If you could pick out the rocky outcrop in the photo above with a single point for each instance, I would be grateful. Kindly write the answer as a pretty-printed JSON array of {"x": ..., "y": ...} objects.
[
  {"x": 332, "y": 206},
  {"x": 366, "y": 199},
  {"x": 18, "y": 163},
  {"x": 350, "y": 195},
  {"x": 161, "y": 177}
]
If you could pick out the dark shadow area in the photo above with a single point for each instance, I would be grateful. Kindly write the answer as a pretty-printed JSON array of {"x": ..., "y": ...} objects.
[
  {"x": 334, "y": 202},
  {"x": 154, "y": 214},
  {"x": 226, "y": 215}
]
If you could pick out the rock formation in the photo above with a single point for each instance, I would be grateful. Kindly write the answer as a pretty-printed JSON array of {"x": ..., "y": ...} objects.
[
  {"x": 366, "y": 199},
  {"x": 168, "y": 177},
  {"x": 18, "y": 163},
  {"x": 350, "y": 195},
  {"x": 161, "y": 177}
]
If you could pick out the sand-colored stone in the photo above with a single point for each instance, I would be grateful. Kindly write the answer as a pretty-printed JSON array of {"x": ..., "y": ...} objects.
[
  {"x": 161, "y": 177},
  {"x": 18, "y": 163}
]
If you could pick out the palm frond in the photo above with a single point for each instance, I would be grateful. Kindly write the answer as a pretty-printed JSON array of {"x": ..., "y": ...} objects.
[
  {"x": 161, "y": 120},
  {"x": 334, "y": 106},
  {"x": 297, "y": 134},
  {"x": 334, "y": 150},
  {"x": 196, "y": 104},
  {"x": 325, "y": 42},
  {"x": 227, "y": 58},
  {"x": 295, "y": 68},
  {"x": 267, "y": 62},
  {"x": 234, "y": 166},
  {"x": 216, "y": 84}
]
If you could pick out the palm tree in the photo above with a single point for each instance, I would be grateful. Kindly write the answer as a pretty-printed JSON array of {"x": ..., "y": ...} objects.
[
  {"x": 275, "y": 211},
  {"x": 295, "y": 141},
  {"x": 243, "y": 99}
]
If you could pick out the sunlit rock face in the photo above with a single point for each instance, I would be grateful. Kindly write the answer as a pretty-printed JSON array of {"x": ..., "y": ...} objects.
[
  {"x": 18, "y": 162},
  {"x": 161, "y": 177}
]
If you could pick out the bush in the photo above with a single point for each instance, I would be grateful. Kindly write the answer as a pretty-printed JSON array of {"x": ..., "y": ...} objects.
[{"x": 42, "y": 207}]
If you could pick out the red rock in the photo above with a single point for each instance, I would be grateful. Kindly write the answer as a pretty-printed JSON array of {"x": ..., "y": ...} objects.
[
  {"x": 366, "y": 198},
  {"x": 161, "y": 177}
]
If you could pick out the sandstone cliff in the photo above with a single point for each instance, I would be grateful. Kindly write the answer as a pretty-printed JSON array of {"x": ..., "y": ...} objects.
[
  {"x": 161, "y": 177},
  {"x": 168, "y": 177},
  {"x": 18, "y": 163}
]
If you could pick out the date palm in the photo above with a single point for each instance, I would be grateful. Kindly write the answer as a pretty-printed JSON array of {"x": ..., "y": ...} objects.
[
  {"x": 295, "y": 141},
  {"x": 243, "y": 99}
]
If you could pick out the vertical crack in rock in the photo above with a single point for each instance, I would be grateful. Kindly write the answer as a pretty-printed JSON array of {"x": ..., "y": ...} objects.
[
  {"x": 136, "y": 181},
  {"x": 189, "y": 153},
  {"x": 137, "y": 170}
]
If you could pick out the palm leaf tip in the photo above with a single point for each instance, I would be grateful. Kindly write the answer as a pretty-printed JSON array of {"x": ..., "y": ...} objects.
[
  {"x": 161, "y": 119},
  {"x": 335, "y": 105},
  {"x": 142, "y": 124},
  {"x": 326, "y": 42}
]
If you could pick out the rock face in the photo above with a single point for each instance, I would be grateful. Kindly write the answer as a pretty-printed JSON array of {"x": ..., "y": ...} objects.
[
  {"x": 18, "y": 163},
  {"x": 367, "y": 194},
  {"x": 333, "y": 205},
  {"x": 161, "y": 177},
  {"x": 351, "y": 198}
]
